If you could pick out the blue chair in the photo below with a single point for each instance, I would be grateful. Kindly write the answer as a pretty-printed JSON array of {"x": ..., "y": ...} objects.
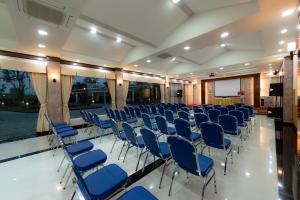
[
  {"x": 241, "y": 122},
  {"x": 213, "y": 115},
  {"x": 231, "y": 107},
  {"x": 83, "y": 116},
  {"x": 223, "y": 110},
  {"x": 246, "y": 117},
  {"x": 169, "y": 116},
  {"x": 200, "y": 118},
  {"x": 185, "y": 155},
  {"x": 186, "y": 116},
  {"x": 213, "y": 136},
  {"x": 153, "y": 109},
  {"x": 229, "y": 124},
  {"x": 148, "y": 123},
  {"x": 216, "y": 106},
  {"x": 138, "y": 112},
  {"x": 185, "y": 109},
  {"x": 165, "y": 106},
  {"x": 112, "y": 115},
  {"x": 119, "y": 136},
  {"x": 173, "y": 107},
  {"x": 206, "y": 109},
  {"x": 107, "y": 112},
  {"x": 133, "y": 141},
  {"x": 118, "y": 115},
  {"x": 250, "y": 108},
  {"x": 137, "y": 193},
  {"x": 103, "y": 125},
  {"x": 161, "y": 110},
  {"x": 156, "y": 148},
  {"x": 132, "y": 113},
  {"x": 198, "y": 110},
  {"x": 126, "y": 109},
  {"x": 183, "y": 128},
  {"x": 163, "y": 126},
  {"x": 125, "y": 119}
]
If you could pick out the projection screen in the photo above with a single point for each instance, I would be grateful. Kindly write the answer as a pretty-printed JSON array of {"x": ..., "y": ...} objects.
[{"x": 226, "y": 88}]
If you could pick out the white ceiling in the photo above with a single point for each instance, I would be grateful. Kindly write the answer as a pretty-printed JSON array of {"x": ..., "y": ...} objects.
[{"x": 153, "y": 28}]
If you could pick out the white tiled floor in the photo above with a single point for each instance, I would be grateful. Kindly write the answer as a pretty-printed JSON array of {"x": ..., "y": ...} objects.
[{"x": 252, "y": 176}]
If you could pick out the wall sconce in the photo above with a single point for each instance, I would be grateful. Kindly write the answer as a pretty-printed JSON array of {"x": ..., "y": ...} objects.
[
  {"x": 120, "y": 82},
  {"x": 54, "y": 77}
]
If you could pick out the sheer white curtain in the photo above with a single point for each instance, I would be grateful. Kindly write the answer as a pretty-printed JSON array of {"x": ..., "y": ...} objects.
[
  {"x": 66, "y": 83},
  {"x": 162, "y": 93},
  {"x": 39, "y": 82},
  {"x": 111, "y": 83},
  {"x": 125, "y": 90}
]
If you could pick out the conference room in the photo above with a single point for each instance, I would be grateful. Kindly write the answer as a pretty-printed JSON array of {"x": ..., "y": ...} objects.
[{"x": 148, "y": 100}]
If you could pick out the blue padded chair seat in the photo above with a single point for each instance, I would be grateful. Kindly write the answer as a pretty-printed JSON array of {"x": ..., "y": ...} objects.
[
  {"x": 171, "y": 130},
  {"x": 206, "y": 164},
  {"x": 164, "y": 149},
  {"x": 63, "y": 129},
  {"x": 140, "y": 142},
  {"x": 105, "y": 125},
  {"x": 122, "y": 136},
  {"x": 227, "y": 144},
  {"x": 237, "y": 132},
  {"x": 89, "y": 160},
  {"x": 79, "y": 148},
  {"x": 137, "y": 193},
  {"x": 104, "y": 182},
  {"x": 133, "y": 120},
  {"x": 195, "y": 136},
  {"x": 69, "y": 133},
  {"x": 60, "y": 124}
]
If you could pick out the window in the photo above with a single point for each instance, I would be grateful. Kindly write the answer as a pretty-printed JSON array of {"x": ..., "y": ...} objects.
[
  {"x": 143, "y": 93},
  {"x": 19, "y": 106},
  {"x": 89, "y": 94}
]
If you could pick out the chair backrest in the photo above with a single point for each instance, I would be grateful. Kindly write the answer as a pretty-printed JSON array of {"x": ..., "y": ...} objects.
[
  {"x": 115, "y": 128},
  {"x": 250, "y": 108},
  {"x": 198, "y": 110},
  {"x": 123, "y": 115},
  {"x": 169, "y": 116},
  {"x": 153, "y": 109},
  {"x": 216, "y": 106},
  {"x": 183, "y": 128},
  {"x": 129, "y": 133},
  {"x": 112, "y": 114},
  {"x": 228, "y": 123},
  {"x": 212, "y": 134},
  {"x": 107, "y": 112},
  {"x": 83, "y": 116},
  {"x": 161, "y": 124},
  {"x": 184, "y": 154},
  {"x": 151, "y": 141},
  {"x": 213, "y": 115},
  {"x": 183, "y": 115},
  {"x": 223, "y": 110},
  {"x": 207, "y": 108},
  {"x": 239, "y": 115},
  {"x": 147, "y": 121},
  {"x": 97, "y": 120},
  {"x": 161, "y": 110},
  {"x": 90, "y": 117},
  {"x": 138, "y": 112},
  {"x": 173, "y": 108},
  {"x": 132, "y": 113},
  {"x": 200, "y": 118},
  {"x": 185, "y": 109},
  {"x": 246, "y": 112},
  {"x": 126, "y": 110},
  {"x": 231, "y": 107},
  {"x": 144, "y": 110},
  {"x": 165, "y": 106},
  {"x": 147, "y": 107},
  {"x": 118, "y": 116}
]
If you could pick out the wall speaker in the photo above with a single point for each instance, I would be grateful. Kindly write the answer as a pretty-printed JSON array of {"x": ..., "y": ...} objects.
[{"x": 276, "y": 89}]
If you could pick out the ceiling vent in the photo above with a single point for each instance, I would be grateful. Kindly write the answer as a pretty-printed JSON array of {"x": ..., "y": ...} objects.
[{"x": 46, "y": 10}]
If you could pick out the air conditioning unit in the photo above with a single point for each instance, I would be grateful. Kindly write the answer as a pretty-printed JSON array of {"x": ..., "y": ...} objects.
[{"x": 47, "y": 10}]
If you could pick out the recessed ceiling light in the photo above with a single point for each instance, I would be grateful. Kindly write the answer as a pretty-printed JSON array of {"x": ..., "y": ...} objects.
[
  {"x": 42, "y": 32},
  {"x": 224, "y": 35},
  {"x": 298, "y": 27},
  {"x": 174, "y": 58},
  {"x": 77, "y": 60},
  {"x": 175, "y": 1},
  {"x": 221, "y": 68},
  {"x": 270, "y": 64},
  {"x": 41, "y": 54},
  {"x": 283, "y": 31},
  {"x": 187, "y": 48},
  {"x": 148, "y": 61},
  {"x": 104, "y": 65},
  {"x": 281, "y": 42},
  {"x": 177, "y": 75},
  {"x": 246, "y": 64},
  {"x": 191, "y": 73},
  {"x": 136, "y": 65},
  {"x": 287, "y": 12},
  {"x": 223, "y": 45},
  {"x": 279, "y": 50},
  {"x": 42, "y": 46},
  {"x": 119, "y": 40},
  {"x": 93, "y": 30}
]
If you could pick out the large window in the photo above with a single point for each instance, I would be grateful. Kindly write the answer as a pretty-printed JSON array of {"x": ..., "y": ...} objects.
[
  {"x": 89, "y": 94},
  {"x": 143, "y": 93},
  {"x": 19, "y": 106}
]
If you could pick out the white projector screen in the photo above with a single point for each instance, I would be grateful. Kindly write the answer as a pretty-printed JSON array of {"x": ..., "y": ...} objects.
[{"x": 226, "y": 88}]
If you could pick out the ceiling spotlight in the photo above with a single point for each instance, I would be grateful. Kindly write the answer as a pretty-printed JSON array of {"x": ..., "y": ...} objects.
[
  {"x": 104, "y": 65},
  {"x": 175, "y": 1},
  {"x": 42, "y": 46},
  {"x": 298, "y": 27},
  {"x": 42, "y": 32},
  {"x": 93, "y": 30},
  {"x": 283, "y": 31},
  {"x": 287, "y": 12},
  {"x": 221, "y": 68},
  {"x": 174, "y": 58},
  {"x": 224, "y": 35},
  {"x": 41, "y": 55},
  {"x": 148, "y": 61},
  {"x": 281, "y": 42},
  {"x": 136, "y": 65},
  {"x": 191, "y": 73},
  {"x": 77, "y": 60},
  {"x": 119, "y": 40},
  {"x": 246, "y": 64},
  {"x": 279, "y": 50},
  {"x": 223, "y": 45},
  {"x": 187, "y": 48}
]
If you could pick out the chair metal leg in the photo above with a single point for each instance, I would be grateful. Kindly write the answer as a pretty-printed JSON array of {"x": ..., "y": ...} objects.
[
  {"x": 203, "y": 188},
  {"x": 61, "y": 163},
  {"x": 215, "y": 182},
  {"x": 137, "y": 166},
  {"x": 116, "y": 139},
  {"x": 145, "y": 161},
  {"x": 62, "y": 178},
  {"x": 66, "y": 183},
  {"x": 225, "y": 166},
  {"x": 173, "y": 176},
  {"x": 121, "y": 150},
  {"x": 73, "y": 195},
  {"x": 126, "y": 152},
  {"x": 162, "y": 174}
]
